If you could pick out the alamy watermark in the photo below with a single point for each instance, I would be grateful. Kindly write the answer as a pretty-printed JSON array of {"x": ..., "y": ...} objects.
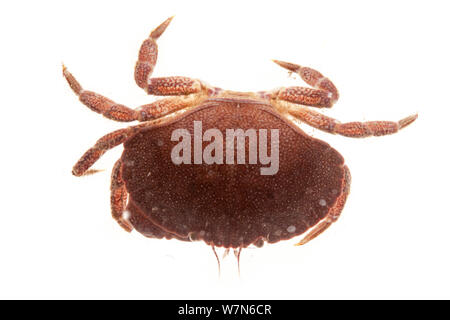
[{"x": 235, "y": 142}]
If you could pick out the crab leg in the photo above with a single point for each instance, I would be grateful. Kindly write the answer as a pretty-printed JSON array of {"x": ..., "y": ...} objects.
[
  {"x": 99, "y": 103},
  {"x": 110, "y": 141},
  {"x": 173, "y": 86},
  {"x": 349, "y": 129},
  {"x": 166, "y": 106},
  {"x": 118, "y": 112},
  {"x": 148, "y": 55},
  {"x": 334, "y": 212},
  {"x": 105, "y": 143},
  {"x": 119, "y": 196},
  {"x": 324, "y": 95},
  {"x": 304, "y": 96}
]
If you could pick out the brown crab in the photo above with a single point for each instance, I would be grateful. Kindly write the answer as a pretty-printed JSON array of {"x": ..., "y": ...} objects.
[{"x": 225, "y": 205}]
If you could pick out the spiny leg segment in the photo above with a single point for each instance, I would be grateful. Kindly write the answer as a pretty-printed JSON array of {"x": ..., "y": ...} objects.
[
  {"x": 148, "y": 54},
  {"x": 349, "y": 129},
  {"x": 105, "y": 143},
  {"x": 324, "y": 94},
  {"x": 119, "y": 196}
]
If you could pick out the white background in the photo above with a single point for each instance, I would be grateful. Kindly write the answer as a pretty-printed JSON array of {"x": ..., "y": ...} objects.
[{"x": 389, "y": 59}]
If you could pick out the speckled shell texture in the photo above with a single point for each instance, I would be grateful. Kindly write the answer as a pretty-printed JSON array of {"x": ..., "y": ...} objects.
[{"x": 230, "y": 205}]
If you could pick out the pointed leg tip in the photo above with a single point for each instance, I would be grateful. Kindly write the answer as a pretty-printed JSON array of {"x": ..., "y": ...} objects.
[
  {"x": 64, "y": 68},
  {"x": 408, "y": 120},
  {"x": 287, "y": 65},
  {"x": 167, "y": 22},
  {"x": 73, "y": 83},
  {"x": 125, "y": 225},
  {"x": 77, "y": 173},
  {"x": 92, "y": 171},
  {"x": 155, "y": 34},
  {"x": 278, "y": 62}
]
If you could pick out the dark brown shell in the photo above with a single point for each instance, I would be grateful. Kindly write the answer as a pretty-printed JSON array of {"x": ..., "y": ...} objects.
[{"x": 230, "y": 205}]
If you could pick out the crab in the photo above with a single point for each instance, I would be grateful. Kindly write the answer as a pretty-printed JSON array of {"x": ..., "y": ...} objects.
[{"x": 229, "y": 205}]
